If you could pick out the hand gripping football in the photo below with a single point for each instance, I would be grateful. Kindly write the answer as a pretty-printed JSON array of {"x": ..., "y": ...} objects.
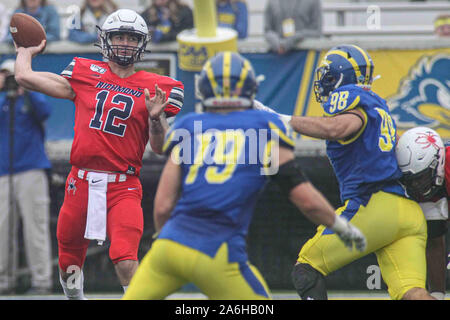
[{"x": 26, "y": 31}]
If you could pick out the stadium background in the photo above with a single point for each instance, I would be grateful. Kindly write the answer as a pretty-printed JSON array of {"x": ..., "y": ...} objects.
[{"x": 403, "y": 50}]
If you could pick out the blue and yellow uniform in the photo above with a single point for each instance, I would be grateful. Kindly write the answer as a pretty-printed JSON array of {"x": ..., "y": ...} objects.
[
  {"x": 233, "y": 15},
  {"x": 366, "y": 169},
  {"x": 224, "y": 161}
]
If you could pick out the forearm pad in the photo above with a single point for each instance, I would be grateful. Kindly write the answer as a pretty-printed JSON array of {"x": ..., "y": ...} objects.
[{"x": 289, "y": 176}]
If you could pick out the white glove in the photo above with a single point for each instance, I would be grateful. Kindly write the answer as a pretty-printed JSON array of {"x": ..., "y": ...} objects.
[
  {"x": 349, "y": 234},
  {"x": 259, "y": 106}
]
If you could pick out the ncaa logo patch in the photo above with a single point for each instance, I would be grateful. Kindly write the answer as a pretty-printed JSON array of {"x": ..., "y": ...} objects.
[
  {"x": 423, "y": 98},
  {"x": 97, "y": 69}
]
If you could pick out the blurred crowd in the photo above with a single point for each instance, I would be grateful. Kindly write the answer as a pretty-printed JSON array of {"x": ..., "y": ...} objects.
[
  {"x": 286, "y": 22},
  {"x": 165, "y": 18}
]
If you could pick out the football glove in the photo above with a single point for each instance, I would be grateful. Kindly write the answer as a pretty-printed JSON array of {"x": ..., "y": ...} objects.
[{"x": 349, "y": 234}]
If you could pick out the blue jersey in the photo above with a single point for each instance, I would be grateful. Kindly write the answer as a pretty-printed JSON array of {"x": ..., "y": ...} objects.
[
  {"x": 30, "y": 112},
  {"x": 233, "y": 15},
  {"x": 223, "y": 158},
  {"x": 364, "y": 163}
]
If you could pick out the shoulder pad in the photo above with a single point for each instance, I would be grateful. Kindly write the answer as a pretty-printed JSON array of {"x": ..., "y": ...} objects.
[{"x": 342, "y": 99}]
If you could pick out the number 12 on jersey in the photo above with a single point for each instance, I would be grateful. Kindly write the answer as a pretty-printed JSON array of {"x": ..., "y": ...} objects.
[{"x": 123, "y": 113}]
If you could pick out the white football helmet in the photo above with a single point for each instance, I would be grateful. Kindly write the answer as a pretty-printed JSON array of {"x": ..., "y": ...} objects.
[
  {"x": 421, "y": 157},
  {"x": 123, "y": 21}
]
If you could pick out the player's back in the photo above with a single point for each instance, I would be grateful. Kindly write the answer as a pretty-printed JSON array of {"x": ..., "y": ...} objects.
[
  {"x": 222, "y": 159},
  {"x": 366, "y": 162}
]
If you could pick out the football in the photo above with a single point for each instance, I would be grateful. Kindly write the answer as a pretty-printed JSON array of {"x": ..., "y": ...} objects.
[{"x": 26, "y": 31}]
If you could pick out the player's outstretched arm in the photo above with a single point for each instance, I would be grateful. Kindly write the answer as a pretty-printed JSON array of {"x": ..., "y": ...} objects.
[
  {"x": 167, "y": 193},
  {"x": 337, "y": 127},
  {"x": 48, "y": 83},
  {"x": 312, "y": 203}
]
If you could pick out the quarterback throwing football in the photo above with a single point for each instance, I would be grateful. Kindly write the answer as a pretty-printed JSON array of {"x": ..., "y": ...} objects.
[{"x": 114, "y": 119}]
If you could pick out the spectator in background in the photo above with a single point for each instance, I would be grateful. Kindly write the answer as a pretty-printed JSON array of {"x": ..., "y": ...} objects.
[
  {"x": 233, "y": 14},
  {"x": 288, "y": 22},
  {"x": 30, "y": 184},
  {"x": 166, "y": 18},
  {"x": 4, "y": 19},
  {"x": 45, "y": 13},
  {"x": 92, "y": 14},
  {"x": 442, "y": 25}
]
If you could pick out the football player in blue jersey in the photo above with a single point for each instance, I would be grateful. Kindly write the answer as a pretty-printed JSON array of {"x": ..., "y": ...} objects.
[
  {"x": 360, "y": 139},
  {"x": 218, "y": 162}
]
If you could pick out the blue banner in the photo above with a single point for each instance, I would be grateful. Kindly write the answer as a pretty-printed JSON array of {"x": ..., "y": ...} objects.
[
  {"x": 60, "y": 124},
  {"x": 288, "y": 83},
  {"x": 279, "y": 90}
]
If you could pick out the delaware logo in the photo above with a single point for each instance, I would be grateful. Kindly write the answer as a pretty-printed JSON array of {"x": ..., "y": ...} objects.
[{"x": 423, "y": 98}]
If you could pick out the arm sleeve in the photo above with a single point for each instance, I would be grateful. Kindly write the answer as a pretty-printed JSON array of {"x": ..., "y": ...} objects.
[
  {"x": 175, "y": 94},
  {"x": 70, "y": 73}
]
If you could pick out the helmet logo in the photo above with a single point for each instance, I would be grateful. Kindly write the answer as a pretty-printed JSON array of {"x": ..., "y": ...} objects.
[{"x": 427, "y": 140}]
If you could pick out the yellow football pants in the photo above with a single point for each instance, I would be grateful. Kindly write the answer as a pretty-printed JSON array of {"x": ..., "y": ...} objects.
[
  {"x": 170, "y": 265},
  {"x": 396, "y": 231}
]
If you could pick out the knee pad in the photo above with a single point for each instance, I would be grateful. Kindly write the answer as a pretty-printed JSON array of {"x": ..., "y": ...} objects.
[{"x": 309, "y": 283}]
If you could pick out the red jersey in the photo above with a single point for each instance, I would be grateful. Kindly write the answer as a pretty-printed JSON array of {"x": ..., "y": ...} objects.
[{"x": 111, "y": 119}]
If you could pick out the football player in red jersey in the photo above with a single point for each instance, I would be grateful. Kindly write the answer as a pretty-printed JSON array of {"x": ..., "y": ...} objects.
[
  {"x": 425, "y": 163},
  {"x": 114, "y": 119}
]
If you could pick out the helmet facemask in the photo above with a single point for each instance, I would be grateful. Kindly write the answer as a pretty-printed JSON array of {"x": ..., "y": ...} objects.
[
  {"x": 423, "y": 185},
  {"x": 326, "y": 82},
  {"x": 123, "y": 55},
  {"x": 420, "y": 154}
]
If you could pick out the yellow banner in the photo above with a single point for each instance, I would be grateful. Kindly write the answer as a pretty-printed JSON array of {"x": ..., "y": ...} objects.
[{"x": 415, "y": 84}]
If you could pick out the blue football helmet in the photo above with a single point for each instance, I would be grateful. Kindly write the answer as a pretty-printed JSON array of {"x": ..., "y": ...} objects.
[
  {"x": 227, "y": 80},
  {"x": 342, "y": 65}
]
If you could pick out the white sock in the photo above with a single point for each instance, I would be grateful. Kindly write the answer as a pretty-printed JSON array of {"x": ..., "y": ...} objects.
[
  {"x": 125, "y": 288},
  {"x": 75, "y": 293}
]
